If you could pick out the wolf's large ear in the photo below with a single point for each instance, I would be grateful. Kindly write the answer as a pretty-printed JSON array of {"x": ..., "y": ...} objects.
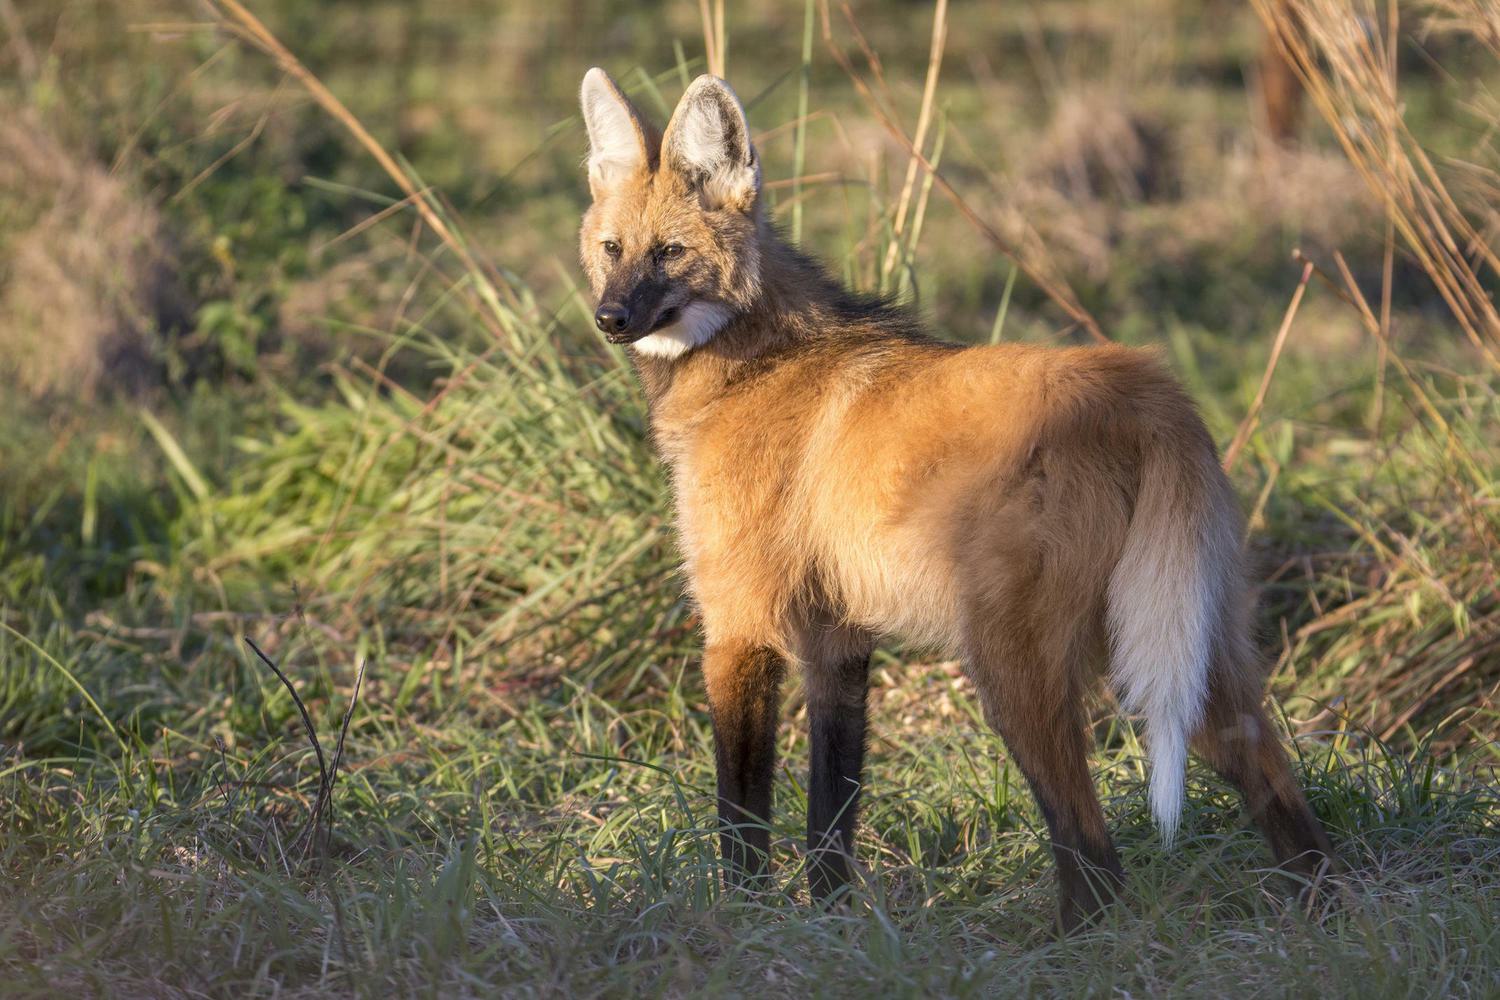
[
  {"x": 708, "y": 142},
  {"x": 618, "y": 136}
]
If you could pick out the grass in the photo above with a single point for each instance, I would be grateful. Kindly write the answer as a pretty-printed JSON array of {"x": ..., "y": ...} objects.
[
  {"x": 570, "y": 848},
  {"x": 384, "y": 445}
]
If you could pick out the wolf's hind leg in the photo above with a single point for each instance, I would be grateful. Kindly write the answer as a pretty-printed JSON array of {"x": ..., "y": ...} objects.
[
  {"x": 1035, "y": 701},
  {"x": 1238, "y": 741}
]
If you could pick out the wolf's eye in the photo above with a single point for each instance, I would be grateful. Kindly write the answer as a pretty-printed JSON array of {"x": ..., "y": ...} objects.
[
  {"x": 671, "y": 250},
  {"x": 612, "y": 248}
]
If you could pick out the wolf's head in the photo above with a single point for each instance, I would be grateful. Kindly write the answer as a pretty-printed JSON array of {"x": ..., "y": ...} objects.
[{"x": 671, "y": 243}]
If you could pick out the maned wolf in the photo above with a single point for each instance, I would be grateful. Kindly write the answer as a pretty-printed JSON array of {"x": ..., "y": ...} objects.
[{"x": 840, "y": 478}]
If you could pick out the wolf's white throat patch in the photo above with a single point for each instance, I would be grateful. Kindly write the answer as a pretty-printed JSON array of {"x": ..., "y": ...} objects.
[{"x": 698, "y": 323}]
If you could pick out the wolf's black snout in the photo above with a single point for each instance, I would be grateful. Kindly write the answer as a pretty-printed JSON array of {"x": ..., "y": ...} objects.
[{"x": 612, "y": 318}]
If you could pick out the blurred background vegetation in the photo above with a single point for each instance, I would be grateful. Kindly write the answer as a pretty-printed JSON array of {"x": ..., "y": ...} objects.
[{"x": 248, "y": 389}]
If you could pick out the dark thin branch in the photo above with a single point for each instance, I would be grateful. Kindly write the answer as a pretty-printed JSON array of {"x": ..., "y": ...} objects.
[
  {"x": 338, "y": 751},
  {"x": 312, "y": 736}
]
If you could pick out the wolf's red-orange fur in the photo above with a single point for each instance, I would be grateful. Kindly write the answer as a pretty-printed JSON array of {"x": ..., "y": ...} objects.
[{"x": 839, "y": 477}]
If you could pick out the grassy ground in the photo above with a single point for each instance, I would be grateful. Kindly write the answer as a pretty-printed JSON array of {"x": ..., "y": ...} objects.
[
  {"x": 570, "y": 849},
  {"x": 247, "y": 395}
]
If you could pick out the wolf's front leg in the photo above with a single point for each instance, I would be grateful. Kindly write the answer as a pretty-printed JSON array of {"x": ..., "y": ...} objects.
[{"x": 744, "y": 682}]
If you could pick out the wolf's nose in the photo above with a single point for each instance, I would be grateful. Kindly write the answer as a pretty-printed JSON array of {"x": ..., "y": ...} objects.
[{"x": 611, "y": 317}]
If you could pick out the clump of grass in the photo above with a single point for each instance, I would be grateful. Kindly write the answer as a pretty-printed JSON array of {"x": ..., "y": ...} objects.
[
  {"x": 515, "y": 517},
  {"x": 90, "y": 284},
  {"x": 1096, "y": 148},
  {"x": 1400, "y": 631},
  {"x": 1420, "y": 578}
]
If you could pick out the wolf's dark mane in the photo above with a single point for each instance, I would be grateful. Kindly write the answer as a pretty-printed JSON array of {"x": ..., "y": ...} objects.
[{"x": 831, "y": 299}]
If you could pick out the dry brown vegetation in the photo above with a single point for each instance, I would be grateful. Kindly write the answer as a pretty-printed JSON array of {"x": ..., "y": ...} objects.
[
  {"x": 1432, "y": 539},
  {"x": 89, "y": 282}
]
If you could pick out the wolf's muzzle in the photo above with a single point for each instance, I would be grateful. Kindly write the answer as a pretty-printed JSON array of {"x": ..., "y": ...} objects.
[
  {"x": 613, "y": 320},
  {"x": 618, "y": 322}
]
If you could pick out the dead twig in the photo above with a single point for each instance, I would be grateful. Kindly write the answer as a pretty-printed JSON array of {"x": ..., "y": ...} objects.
[{"x": 1252, "y": 417}]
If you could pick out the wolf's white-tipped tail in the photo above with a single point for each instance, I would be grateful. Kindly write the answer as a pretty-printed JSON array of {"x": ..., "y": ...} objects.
[{"x": 1166, "y": 596}]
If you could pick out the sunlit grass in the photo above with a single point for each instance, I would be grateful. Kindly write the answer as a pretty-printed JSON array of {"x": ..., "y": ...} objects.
[{"x": 571, "y": 848}]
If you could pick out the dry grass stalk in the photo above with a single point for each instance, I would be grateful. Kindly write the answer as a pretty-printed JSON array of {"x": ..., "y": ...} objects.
[
  {"x": 315, "y": 814},
  {"x": 1031, "y": 263},
  {"x": 1478, "y": 19},
  {"x": 1349, "y": 73},
  {"x": 714, "y": 38},
  {"x": 1407, "y": 661},
  {"x": 1417, "y": 551},
  {"x": 1252, "y": 418},
  {"x": 919, "y": 140},
  {"x": 248, "y": 26}
]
